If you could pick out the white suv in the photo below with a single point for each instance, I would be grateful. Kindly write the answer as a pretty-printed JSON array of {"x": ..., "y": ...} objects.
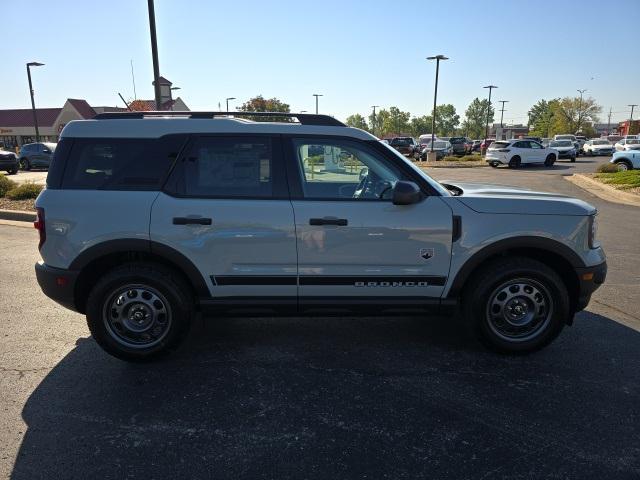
[
  {"x": 149, "y": 219},
  {"x": 515, "y": 153}
]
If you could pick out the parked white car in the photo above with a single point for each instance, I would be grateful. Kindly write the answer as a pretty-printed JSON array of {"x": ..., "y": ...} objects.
[
  {"x": 628, "y": 144},
  {"x": 519, "y": 152},
  {"x": 598, "y": 146}
]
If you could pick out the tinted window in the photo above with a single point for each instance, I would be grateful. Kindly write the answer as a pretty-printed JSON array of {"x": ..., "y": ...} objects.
[
  {"x": 498, "y": 145},
  {"x": 120, "y": 163},
  {"x": 456, "y": 140},
  {"x": 228, "y": 167}
]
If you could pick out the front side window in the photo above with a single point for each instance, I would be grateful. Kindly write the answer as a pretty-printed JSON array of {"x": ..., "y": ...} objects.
[
  {"x": 228, "y": 167},
  {"x": 344, "y": 170}
]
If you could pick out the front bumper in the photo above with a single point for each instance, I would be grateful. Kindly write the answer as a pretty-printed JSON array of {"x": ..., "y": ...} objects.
[
  {"x": 58, "y": 284},
  {"x": 567, "y": 154},
  {"x": 589, "y": 280}
]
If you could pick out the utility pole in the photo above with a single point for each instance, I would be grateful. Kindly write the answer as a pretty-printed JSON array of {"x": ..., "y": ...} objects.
[
  {"x": 502, "y": 110},
  {"x": 486, "y": 126},
  {"x": 437, "y": 58},
  {"x": 373, "y": 123},
  {"x": 580, "y": 110},
  {"x": 317, "y": 95},
  {"x": 33, "y": 103},
  {"x": 229, "y": 98},
  {"x": 609, "y": 122},
  {"x": 154, "y": 53},
  {"x": 631, "y": 118}
]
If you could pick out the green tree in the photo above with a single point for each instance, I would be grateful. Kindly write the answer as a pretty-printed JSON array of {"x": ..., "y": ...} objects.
[
  {"x": 446, "y": 120},
  {"x": 392, "y": 122},
  {"x": 261, "y": 104},
  {"x": 420, "y": 125},
  {"x": 357, "y": 121},
  {"x": 476, "y": 118},
  {"x": 573, "y": 114},
  {"x": 541, "y": 118}
]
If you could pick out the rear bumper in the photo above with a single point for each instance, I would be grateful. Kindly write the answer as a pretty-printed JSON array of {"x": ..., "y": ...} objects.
[
  {"x": 58, "y": 284},
  {"x": 589, "y": 280},
  {"x": 566, "y": 155}
]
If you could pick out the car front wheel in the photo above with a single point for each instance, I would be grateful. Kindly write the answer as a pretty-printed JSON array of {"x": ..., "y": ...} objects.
[
  {"x": 139, "y": 311},
  {"x": 517, "y": 306},
  {"x": 550, "y": 160},
  {"x": 623, "y": 166}
]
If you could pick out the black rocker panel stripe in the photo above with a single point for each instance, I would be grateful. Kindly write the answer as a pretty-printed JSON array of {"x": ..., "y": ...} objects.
[{"x": 329, "y": 280}]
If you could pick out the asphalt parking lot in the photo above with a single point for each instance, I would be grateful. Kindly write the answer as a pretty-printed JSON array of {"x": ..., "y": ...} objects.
[{"x": 328, "y": 397}]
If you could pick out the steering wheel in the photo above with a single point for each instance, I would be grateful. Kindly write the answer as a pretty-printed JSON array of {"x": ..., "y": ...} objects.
[{"x": 371, "y": 186}]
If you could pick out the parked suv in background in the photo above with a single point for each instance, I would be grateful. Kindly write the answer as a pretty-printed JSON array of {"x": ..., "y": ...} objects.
[
  {"x": 151, "y": 217},
  {"x": 458, "y": 145},
  {"x": 598, "y": 146},
  {"x": 8, "y": 162},
  {"x": 565, "y": 149},
  {"x": 36, "y": 155},
  {"x": 405, "y": 145},
  {"x": 515, "y": 153}
]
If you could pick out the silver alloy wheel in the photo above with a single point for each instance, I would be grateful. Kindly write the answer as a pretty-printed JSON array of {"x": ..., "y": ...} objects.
[
  {"x": 137, "y": 316},
  {"x": 622, "y": 166},
  {"x": 519, "y": 309}
]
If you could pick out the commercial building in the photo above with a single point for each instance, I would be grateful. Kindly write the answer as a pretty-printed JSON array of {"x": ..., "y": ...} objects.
[{"x": 17, "y": 126}]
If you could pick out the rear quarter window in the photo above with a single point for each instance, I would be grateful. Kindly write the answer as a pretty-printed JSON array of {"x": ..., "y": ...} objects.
[{"x": 120, "y": 163}]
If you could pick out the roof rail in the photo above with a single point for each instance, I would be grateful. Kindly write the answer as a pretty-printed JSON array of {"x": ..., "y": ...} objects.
[{"x": 303, "y": 118}]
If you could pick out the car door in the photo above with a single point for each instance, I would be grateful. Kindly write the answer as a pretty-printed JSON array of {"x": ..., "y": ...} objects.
[
  {"x": 35, "y": 155},
  {"x": 537, "y": 152},
  {"x": 354, "y": 245},
  {"x": 226, "y": 208}
]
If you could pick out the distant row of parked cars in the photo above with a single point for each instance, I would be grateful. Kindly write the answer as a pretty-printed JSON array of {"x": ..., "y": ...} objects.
[{"x": 30, "y": 155}]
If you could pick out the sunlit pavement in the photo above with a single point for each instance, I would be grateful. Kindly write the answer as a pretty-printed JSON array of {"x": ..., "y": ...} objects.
[{"x": 326, "y": 397}]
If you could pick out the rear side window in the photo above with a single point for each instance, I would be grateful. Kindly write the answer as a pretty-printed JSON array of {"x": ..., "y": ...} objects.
[
  {"x": 56, "y": 166},
  {"x": 120, "y": 163},
  {"x": 228, "y": 167}
]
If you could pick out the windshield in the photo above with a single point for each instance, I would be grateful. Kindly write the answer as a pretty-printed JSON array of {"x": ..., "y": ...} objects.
[
  {"x": 601, "y": 142},
  {"x": 565, "y": 137},
  {"x": 436, "y": 185},
  {"x": 456, "y": 140},
  {"x": 401, "y": 141},
  {"x": 439, "y": 144},
  {"x": 561, "y": 143},
  {"x": 633, "y": 142}
]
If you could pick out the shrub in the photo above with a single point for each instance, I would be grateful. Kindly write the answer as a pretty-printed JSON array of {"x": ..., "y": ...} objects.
[
  {"x": 607, "y": 168},
  {"x": 6, "y": 184},
  {"x": 24, "y": 192}
]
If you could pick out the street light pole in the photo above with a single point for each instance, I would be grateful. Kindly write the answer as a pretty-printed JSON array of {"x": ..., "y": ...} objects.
[
  {"x": 154, "y": 53},
  {"x": 486, "y": 126},
  {"x": 502, "y": 110},
  {"x": 317, "y": 95},
  {"x": 437, "y": 58},
  {"x": 33, "y": 103},
  {"x": 580, "y": 109},
  {"x": 373, "y": 124},
  {"x": 229, "y": 98},
  {"x": 631, "y": 118}
]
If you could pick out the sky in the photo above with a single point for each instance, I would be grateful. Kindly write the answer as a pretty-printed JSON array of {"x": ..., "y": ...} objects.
[{"x": 356, "y": 53}]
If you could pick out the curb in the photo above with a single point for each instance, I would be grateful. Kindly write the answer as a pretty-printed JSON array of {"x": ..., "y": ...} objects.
[
  {"x": 17, "y": 215},
  {"x": 454, "y": 166},
  {"x": 603, "y": 191}
]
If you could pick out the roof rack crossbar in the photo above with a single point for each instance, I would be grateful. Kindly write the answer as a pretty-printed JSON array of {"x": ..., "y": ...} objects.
[{"x": 303, "y": 118}]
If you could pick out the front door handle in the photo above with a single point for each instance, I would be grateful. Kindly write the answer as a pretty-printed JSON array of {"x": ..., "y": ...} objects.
[
  {"x": 340, "y": 222},
  {"x": 191, "y": 221}
]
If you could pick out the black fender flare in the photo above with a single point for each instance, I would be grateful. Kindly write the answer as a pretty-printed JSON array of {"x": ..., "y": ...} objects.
[
  {"x": 166, "y": 252},
  {"x": 538, "y": 243}
]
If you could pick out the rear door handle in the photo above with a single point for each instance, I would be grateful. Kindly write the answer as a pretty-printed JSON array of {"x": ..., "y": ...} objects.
[
  {"x": 191, "y": 221},
  {"x": 340, "y": 222}
]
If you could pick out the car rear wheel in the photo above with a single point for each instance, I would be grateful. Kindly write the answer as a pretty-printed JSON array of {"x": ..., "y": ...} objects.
[
  {"x": 24, "y": 164},
  {"x": 494, "y": 164},
  {"x": 139, "y": 311},
  {"x": 516, "y": 306},
  {"x": 573, "y": 159},
  {"x": 12, "y": 171},
  {"x": 515, "y": 162},
  {"x": 550, "y": 160}
]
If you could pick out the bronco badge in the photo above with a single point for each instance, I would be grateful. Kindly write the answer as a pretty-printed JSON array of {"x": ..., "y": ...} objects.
[{"x": 426, "y": 253}]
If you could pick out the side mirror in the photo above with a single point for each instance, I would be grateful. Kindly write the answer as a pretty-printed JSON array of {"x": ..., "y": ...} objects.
[{"x": 406, "y": 193}]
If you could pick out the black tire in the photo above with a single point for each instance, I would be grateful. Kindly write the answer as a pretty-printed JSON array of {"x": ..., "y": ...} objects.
[
  {"x": 478, "y": 305},
  {"x": 13, "y": 171},
  {"x": 24, "y": 164},
  {"x": 494, "y": 164},
  {"x": 550, "y": 160},
  {"x": 515, "y": 162},
  {"x": 573, "y": 159},
  {"x": 170, "y": 306},
  {"x": 623, "y": 165}
]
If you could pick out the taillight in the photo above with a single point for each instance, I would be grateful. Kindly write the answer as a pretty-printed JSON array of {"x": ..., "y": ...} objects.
[
  {"x": 39, "y": 225},
  {"x": 504, "y": 150}
]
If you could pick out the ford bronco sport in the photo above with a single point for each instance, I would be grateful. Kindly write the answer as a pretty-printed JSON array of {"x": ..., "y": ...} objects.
[{"x": 149, "y": 219}]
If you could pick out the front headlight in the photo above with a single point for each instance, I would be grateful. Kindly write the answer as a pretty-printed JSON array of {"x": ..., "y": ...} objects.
[{"x": 593, "y": 230}]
